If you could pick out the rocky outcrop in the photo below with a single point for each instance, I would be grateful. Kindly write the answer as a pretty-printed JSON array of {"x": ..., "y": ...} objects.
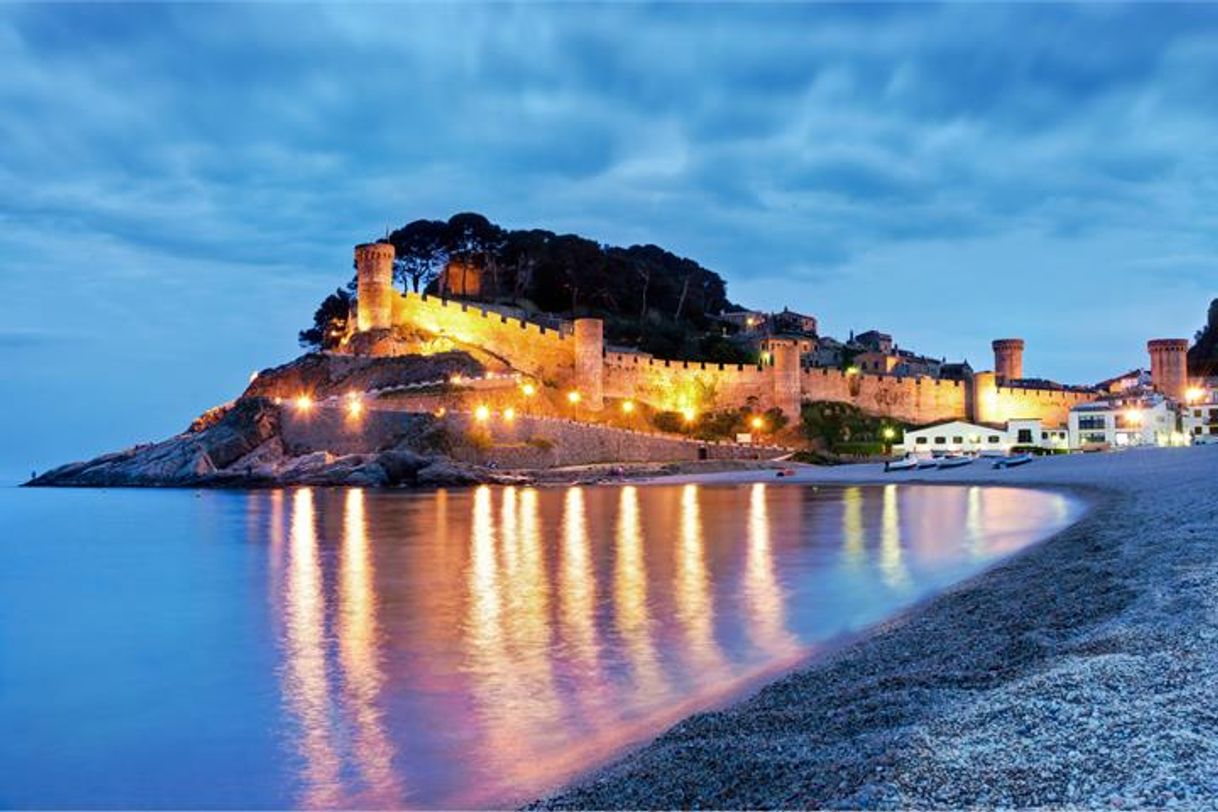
[
  {"x": 322, "y": 375},
  {"x": 241, "y": 444}
]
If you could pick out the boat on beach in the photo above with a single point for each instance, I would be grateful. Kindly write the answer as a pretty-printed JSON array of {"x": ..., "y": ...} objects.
[
  {"x": 1013, "y": 461},
  {"x": 955, "y": 462},
  {"x": 905, "y": 464}
]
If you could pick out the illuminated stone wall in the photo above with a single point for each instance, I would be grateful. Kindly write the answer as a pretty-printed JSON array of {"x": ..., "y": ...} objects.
[
  {"x": 912, "y": 399},
  {"x": 535, "y": 350},
  {"x": 553, "y": 357},
  {"x": 998, "y": 403}
]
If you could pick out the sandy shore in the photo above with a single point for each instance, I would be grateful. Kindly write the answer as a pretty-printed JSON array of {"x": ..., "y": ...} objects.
[{"x": 1082, "y": 672}]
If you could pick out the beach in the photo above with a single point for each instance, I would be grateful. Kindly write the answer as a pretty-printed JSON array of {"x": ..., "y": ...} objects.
[{"x": 1081, "y": 672}]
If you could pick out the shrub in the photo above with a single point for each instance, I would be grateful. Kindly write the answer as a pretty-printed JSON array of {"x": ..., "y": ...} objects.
[
  {"x": 859, "y": 449},
  {"x": 673, "y": 422}
]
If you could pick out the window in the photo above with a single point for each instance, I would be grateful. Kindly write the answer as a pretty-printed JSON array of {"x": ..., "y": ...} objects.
[
  {"x": 940, "y": 440},
  {"x": 1196, "y": 429},
  {"x": 1025, "y": 436},
  {"x": 1044, "y": 435},
  {"x": 1093, "y": 437},
  {"x": 1196, "y": 412},
  {"x": 1090, "y": 421},
  {"x": 993, "y": 438},
  {"x": 920, "y": 441},
  {"x": 958, "y": 440}
]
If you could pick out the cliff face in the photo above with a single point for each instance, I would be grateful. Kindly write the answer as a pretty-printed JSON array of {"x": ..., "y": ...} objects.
[
  {"x": 241, "y": 444},
  {"x": 1203, "y": 356}
]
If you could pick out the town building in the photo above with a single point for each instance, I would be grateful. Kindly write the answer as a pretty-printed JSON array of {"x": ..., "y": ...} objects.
[
  {"x": 963, "y": 437},
  {"x": 1124, "y": 421},
  {"x": 875, "y": 341},
  {"x": 1199, "y": 415}
]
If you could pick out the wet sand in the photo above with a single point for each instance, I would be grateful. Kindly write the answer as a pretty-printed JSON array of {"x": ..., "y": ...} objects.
[{"x": 1081, "y": 672}]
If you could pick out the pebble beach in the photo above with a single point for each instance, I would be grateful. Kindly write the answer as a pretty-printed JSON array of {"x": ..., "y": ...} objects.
[{"x": 1082, "y": 672}]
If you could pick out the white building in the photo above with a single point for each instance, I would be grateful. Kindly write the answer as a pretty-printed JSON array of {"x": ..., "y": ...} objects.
[
  {"x": 1123, "y": 422},
  {"x": 1199, "y": 417},
  {"x": 962, "y": 437}
]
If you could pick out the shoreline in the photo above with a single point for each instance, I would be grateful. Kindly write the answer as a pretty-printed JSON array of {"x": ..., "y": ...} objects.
[{"x": 1077, "y": 672}]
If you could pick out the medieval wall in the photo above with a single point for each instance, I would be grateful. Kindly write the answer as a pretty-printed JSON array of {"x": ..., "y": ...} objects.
[
  {"x": 535, "y": 350},
  {"x": 676, "y": 385},
  {"x": 1052, "y": 406},
  {"x": 551, "y": 356},
  {"x": 911, "y": 399}
]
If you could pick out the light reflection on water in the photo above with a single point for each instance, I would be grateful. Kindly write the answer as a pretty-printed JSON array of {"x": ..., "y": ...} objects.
[
  {"x": 478, "y": 647},
  {"x": 347, "y": 648}
]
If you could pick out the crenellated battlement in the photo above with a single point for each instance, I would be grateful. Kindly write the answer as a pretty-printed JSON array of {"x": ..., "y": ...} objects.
[{"x": 573, "y": 354}]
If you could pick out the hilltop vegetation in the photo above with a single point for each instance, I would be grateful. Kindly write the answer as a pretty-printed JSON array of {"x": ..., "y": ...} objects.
[
  {"x": 1203, "y": 355},
  {"x": 648, "y": 297}
]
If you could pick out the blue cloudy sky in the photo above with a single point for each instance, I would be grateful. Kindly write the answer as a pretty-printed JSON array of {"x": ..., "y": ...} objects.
[{"x": 180, "y": 185}]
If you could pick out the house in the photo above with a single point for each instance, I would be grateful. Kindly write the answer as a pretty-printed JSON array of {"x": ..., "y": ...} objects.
[
  {"x": 1124, "y": 421},
  {"x": 788, "y": 321},
  {"x": 962, "y": 437},
  {"x": 1199, "y": 415},
  {"x": 875, "y": 341}
]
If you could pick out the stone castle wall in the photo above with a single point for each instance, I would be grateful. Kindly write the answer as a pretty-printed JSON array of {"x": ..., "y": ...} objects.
[
  {"x": 528, "y": 442},
  {"x": 544, "y": 353},
  {"x": 567, "y": 360}
]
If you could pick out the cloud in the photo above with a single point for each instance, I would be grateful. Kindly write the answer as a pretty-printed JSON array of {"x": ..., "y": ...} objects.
[{"x": 217, "y": 149}]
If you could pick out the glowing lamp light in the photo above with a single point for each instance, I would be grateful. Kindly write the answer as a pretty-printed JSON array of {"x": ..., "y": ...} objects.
[
  {"x": 852, "y": 370},
  {"x": 627, "y": 406},
  {"x": 355, "y": 406},
  {"x": 757, "y": 423},
  {"x": 688, "y": 414},
  {"x": 529, "y": 390},
  {"x": 509, "y": 414},
  {"x": 573, "y": 397},
  {"x": 1134, "y": 416},
  {"x": 482, "y": 414},
  {"x": 1194, "y": 394},
  {"x": 440, "y": 412},
  {"x": 303, "y": 403},
  {"x": 889, "y": 433}
]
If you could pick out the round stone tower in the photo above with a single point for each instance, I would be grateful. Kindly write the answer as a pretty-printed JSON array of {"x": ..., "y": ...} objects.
[
  {"x": 374, "y": 286},
  {"x": 590, "y": 362},
  {"x": 785, "y": 373},
  {"x": 1169, "y": 366},
  {"x": 1008, "y": 358}
]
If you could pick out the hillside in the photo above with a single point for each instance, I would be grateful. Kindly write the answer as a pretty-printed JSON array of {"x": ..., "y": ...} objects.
[
  {"x": 649, "y": 298},
  {"x": 1203, "y": 356}
]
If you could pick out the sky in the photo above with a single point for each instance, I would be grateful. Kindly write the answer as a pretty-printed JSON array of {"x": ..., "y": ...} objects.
[{"x": 180, "y": 185}]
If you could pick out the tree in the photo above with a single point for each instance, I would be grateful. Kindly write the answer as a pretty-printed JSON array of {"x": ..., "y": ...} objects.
[
  {"x": 475, "y": 242},
  {"x": 421, "y": 253},
  {"x": 329, "y": 322}
]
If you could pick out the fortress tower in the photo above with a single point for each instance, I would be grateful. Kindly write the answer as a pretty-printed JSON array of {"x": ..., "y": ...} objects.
[
  {"x": 786, "y": 376},
  {"x": 374, "y": 286},
  {"x": 590, "y": 362},
  {"x": 1169, "y": 366},
  {"x": 1008, "y": 358}
]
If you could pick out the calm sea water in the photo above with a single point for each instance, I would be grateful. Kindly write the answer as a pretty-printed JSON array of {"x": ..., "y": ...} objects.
[{"x": 339, "y": 648}]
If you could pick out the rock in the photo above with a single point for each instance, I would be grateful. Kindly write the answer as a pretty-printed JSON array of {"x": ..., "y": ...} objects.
[{"x": 443, "y": 471}]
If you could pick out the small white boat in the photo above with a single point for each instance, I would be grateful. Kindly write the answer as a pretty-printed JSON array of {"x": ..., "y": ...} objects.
[
  {"x": 906, "y": 464},
  {"x": 955, "y": 462},
  {"x": 1011, "y": 462},
  {"x": 929, "y": 462}
]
